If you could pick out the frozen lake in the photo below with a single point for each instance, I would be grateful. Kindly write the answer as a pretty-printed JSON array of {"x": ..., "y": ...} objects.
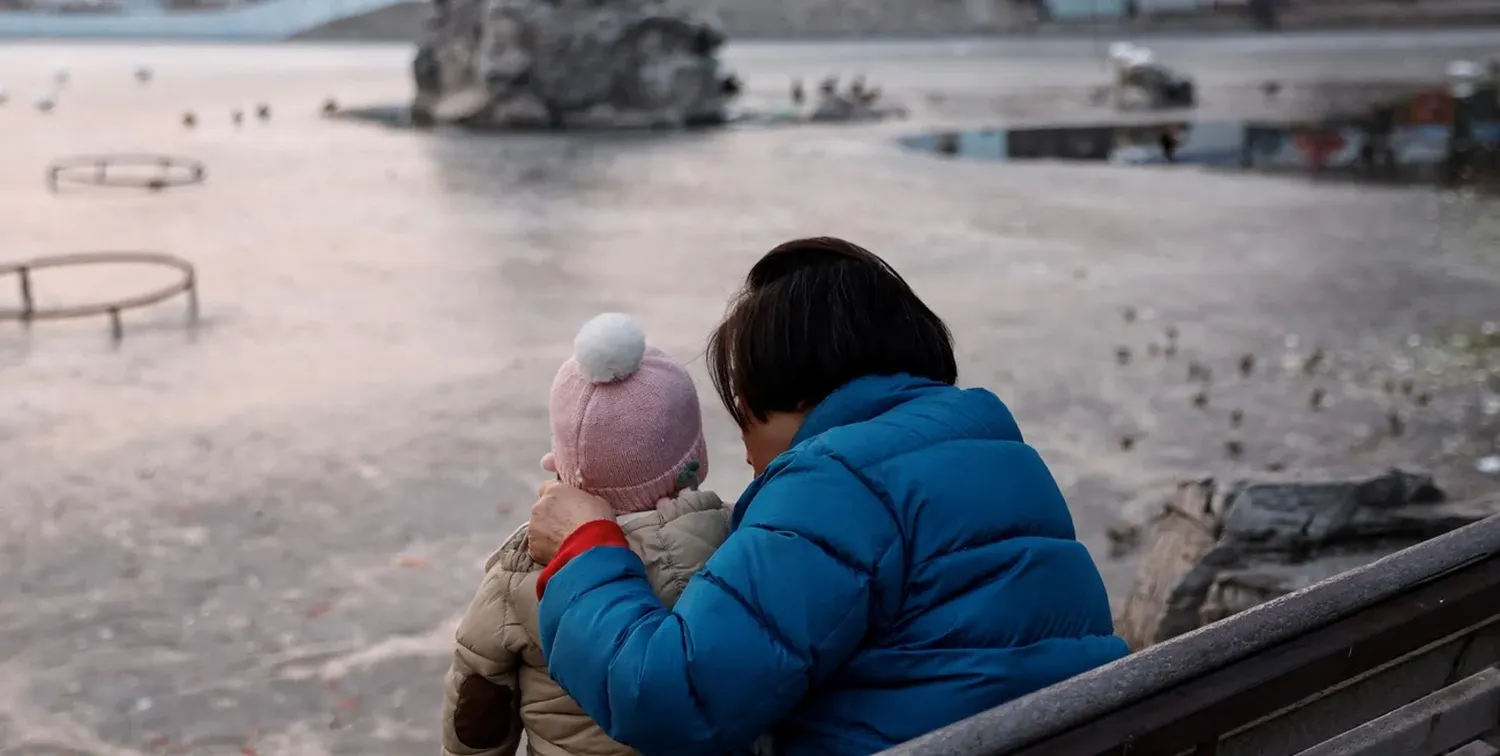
[{"x": 259, "y": 532}]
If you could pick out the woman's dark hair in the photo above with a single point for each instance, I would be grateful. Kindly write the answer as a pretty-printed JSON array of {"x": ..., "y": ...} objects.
[{"x": 813, "y": 315}]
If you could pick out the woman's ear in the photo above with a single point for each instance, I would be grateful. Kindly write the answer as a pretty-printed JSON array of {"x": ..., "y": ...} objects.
[
  {"x": 764, "y": 441},
  {"x": 549, "y": 463}
]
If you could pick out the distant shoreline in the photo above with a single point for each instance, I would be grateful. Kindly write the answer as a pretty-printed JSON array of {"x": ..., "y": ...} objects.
[{"x": 402, "y": 22}]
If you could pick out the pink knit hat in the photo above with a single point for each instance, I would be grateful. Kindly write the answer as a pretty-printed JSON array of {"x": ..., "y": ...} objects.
[{"x": 626, "y": 424}]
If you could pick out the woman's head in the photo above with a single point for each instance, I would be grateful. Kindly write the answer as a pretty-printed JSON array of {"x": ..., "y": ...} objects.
[{"x": 813, "y": 315}]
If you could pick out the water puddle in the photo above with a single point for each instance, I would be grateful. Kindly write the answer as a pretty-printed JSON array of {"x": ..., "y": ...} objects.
[{"x": 1428, "y": 138}]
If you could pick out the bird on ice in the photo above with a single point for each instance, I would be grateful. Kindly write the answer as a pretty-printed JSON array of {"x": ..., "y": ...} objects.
[
  {"x": 4, "y": 95},
  {"x": 61, "y": 76},
  {"x": 46, "y": 102},
  {"x": 143, "y": 74}
]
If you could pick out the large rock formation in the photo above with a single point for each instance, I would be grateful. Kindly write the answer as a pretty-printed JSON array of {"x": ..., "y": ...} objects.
[
  {"x": 1216, "y": 550},
  {"x": 565, "y": 63}
]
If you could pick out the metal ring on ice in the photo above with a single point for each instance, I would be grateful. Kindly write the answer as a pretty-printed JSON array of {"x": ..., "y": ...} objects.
[
  {"x": 186, "y": 283},
  {"x": 127, "y": 171}
]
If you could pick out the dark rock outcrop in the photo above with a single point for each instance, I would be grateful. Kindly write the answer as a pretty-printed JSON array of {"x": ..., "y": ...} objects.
[
  {"x": 1218, "y": 550},
  {"x": 569, "y": 63}
]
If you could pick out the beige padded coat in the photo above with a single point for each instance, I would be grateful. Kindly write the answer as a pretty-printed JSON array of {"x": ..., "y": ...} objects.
[{"x": 498, "y": 684}]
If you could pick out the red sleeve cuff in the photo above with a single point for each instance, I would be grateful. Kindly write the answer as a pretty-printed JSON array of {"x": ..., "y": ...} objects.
[{"x": 587, "y": 536}]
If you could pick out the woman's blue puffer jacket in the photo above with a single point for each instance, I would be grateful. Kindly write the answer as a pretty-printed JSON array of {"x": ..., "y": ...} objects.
[{"x": 907, "y": 563}]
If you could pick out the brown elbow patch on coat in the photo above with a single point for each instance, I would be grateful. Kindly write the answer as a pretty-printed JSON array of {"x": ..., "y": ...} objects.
[{"x": 484, "y": 714}]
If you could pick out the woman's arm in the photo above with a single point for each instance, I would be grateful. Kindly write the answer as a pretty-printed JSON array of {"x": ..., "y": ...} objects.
[{"x": 782, "y": 604}]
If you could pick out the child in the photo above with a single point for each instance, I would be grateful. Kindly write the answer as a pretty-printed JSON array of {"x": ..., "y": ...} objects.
[{"x": 626, "y": 427}]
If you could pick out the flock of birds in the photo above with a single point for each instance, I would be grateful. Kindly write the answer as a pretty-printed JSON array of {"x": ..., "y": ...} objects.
[
  {"x": 1399, "y": 392},
  {"x": 859, "y": 91},
  {"x": 48, "y": 100}
]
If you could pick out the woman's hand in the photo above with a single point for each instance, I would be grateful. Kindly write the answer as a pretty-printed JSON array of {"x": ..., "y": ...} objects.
[{"x": 561, "y": 510}]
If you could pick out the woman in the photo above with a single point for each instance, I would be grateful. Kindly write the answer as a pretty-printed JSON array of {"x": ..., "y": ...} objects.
[{"x": 901, "y": 561}]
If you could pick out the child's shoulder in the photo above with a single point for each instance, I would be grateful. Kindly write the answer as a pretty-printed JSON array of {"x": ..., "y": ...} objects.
[
  {"x": 686, "y": 511},
  {"x": 685, "y": 523},
  {"x": 513, "y": 555},
  {"x": 677, "y": 538}
]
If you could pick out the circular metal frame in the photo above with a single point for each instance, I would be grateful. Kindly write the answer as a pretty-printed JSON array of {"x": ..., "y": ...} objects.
[
  {"x": 186, "y": 284},
  {"x": 95, "y": 170}
]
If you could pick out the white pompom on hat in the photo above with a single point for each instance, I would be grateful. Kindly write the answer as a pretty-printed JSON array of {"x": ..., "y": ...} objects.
[
  {"x": 609, "y": 347},
  {"x": 626, "y": 423}
]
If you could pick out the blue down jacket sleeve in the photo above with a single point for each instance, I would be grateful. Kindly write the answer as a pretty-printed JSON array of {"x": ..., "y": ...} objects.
[{"x": 783, "y": 603}]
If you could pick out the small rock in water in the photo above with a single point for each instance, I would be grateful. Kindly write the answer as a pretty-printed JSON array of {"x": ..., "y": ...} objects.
[
  {"x": 1422, "y": 399},
  {"x": 1197, "y": 371},
  {"x": 1236, "y": 418},
  {"x": 1394, "y": 423},
  {"x": 1488, "y": 465},
  {"x": 1122, "y": 355},
  {"x": 1234, "y": 449},
  {"x": 1407, "y": 386},
  {"x": 1171, "y": 333},
  {"x": 1275, "y": 466},
  {"x": 1315, "y": 401},
  {"x": 1127, "y": 443},
  {"x": 1129, "y": 314},
  {"x": 1200, "y": 400},
  {"x": 1247, "y": 365}
]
